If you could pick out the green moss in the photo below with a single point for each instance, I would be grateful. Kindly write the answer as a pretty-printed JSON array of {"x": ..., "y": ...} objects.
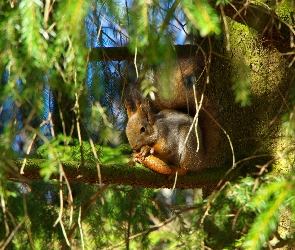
[{"x": 284, "y": 10}]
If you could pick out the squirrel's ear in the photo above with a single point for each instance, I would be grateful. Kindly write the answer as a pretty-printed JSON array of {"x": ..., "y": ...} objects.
[
  {"x": 130, "y": 109},
  {"x": 139, "y": 110},
  {"x": 145, "y": 111},
  {"x": 134, "y": 97}
]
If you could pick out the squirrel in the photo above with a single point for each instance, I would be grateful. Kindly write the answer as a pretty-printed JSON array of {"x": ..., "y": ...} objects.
[{"x": 168, "y": 140}]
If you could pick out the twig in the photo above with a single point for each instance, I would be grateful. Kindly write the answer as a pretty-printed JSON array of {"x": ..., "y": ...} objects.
[
  {"x": 29, "y": 227},
  {"x": 4, "y": 210},
  {"x": 80, "y": 228},
  {"x": 92, "y": 199},
  {"x": 153, "y": 228},
  {"x": 13, "y": 233},
  {"x": 174, "y": 184}
]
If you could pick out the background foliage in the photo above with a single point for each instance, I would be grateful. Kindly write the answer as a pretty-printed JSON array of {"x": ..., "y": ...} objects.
[{"x": 57, "y": 104}]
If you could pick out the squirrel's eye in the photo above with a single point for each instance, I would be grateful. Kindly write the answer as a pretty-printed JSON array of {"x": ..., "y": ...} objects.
[{"x": 142, "y": 129}]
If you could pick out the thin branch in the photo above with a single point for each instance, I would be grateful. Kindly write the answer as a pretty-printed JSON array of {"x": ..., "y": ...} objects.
[
  {"x": 225, "y": 28},
  {"x": 29, "y": 225},
  {"x": 4, "y": 211},
  {"x": 59, "y": 219},
  {"x": 13, "y": 233},
  {"x": 152, "y": 228},
  {"x": 80, "y": 228},
  {"x": 90, "y": 202}
]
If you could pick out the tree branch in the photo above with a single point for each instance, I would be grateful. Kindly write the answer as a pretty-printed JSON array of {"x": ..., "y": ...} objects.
[
  {"x": 123, "y": 53},
  {"x": 120, "y": 174},
  {"x": 272, "y": 30}
]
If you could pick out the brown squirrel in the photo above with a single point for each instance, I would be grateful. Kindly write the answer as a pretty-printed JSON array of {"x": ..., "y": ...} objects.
[{"x": 167, "y": 141}]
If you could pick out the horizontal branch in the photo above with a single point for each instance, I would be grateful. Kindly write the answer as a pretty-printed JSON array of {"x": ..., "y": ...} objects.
[
  {"x": 123, "y": 53},
  {"x": 126, "y": 175},
  {"x": 269, "y": 26}
]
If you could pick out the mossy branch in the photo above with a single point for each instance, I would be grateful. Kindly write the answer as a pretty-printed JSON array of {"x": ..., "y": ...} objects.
[{"x": 126, "y": 175}]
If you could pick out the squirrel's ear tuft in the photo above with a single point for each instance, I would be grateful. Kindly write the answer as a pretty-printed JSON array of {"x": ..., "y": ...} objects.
[
  {"x": 145, "y": 111},
  {"x": 133, "y": 98},
  {"x": 129, "y": 108}
]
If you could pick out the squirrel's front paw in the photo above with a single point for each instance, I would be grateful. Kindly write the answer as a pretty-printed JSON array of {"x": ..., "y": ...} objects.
[
  {"x": 136, "y": 157},
  {"x": 146, "y": 150}
]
